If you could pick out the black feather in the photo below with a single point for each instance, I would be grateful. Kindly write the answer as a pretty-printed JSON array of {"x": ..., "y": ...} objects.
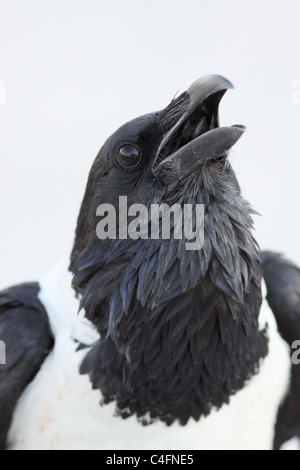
[
  {"x": 283, "y": 284},
  {"x": 182, "y": 325},
  {"x": 24, "y": 328}
]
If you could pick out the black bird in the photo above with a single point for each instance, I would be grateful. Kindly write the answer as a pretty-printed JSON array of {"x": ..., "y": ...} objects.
[{"x": 174, "y": 348}]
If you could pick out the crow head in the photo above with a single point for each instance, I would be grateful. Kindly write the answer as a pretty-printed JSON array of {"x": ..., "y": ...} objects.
[{"x": 157, "y": 305}]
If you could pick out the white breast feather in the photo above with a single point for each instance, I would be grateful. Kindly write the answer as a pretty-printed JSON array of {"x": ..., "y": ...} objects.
[{"x": 59, "y": 409}]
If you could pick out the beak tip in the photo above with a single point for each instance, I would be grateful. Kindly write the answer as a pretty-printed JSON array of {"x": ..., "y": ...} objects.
[
  {"x": 240, "y": 126},
  {"x": 227, "y": 84},
  {"x": 240, "y": 129},
  {"x": 207, "y": 85}
]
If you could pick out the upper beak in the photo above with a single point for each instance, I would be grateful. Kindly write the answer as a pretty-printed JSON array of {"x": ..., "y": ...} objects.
[{"x": 195, "y": 137}]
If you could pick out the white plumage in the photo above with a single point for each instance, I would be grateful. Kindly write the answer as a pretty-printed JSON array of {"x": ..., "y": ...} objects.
[{"x": 59, "y": 409}]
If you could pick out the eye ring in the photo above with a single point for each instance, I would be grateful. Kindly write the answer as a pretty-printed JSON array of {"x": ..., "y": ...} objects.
[{"x": 129, "y": 156}]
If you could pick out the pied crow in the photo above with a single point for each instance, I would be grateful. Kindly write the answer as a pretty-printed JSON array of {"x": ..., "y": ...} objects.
[{"x": 172, "y": 348}]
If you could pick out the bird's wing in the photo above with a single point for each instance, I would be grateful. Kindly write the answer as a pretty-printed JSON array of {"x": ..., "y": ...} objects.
[
  {"x": 282, "y": 278},
  {"x": 25, "y": 342}
]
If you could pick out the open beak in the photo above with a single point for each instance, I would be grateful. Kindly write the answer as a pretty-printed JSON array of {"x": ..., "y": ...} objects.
[{"x": 191, "y": 132}]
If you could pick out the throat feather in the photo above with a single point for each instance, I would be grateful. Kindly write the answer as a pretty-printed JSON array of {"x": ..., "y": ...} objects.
[{"x": 179, "y": 331}]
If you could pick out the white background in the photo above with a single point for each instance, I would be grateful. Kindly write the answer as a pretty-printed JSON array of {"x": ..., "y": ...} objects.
[{"x": 76, "y": 70}]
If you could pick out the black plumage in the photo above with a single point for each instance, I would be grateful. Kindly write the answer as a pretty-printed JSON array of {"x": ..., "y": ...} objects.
[
  {"x": 25, "y": 330},
  {"x": 179, "y": 329},
  {"x": 283, "y": 284}
]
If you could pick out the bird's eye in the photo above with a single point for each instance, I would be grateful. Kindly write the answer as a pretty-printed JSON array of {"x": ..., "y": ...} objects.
[{"x": 129, "y": 155}]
